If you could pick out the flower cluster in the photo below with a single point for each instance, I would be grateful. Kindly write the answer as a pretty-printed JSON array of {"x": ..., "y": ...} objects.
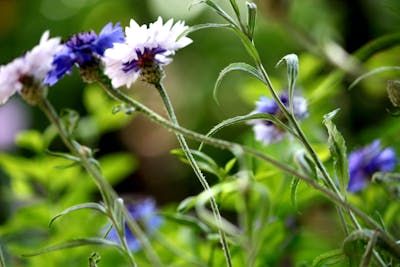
[
  {"x": 268, "y": 132},
  {"x": 142, "y": 53},
  {"x": 29, "y": 69},
  {"x": 364, "y": 162},
  {"x": 83, "y": 49},
  {"x": 144, "y": 212},
  {"x": 145, "y": 50}
]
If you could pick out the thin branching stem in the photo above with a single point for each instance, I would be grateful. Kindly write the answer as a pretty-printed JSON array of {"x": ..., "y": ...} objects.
[
  {"x": 197, "y": 171},
  {"x": 108, "y": 194},
  {"x": 139, "y": 107}
]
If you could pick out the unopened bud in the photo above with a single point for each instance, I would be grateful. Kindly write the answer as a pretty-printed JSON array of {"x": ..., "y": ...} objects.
[{"x": 393, "y": 89}]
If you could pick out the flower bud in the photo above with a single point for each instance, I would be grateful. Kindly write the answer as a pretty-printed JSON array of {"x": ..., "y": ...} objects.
[{"x": 393, "y": 89}]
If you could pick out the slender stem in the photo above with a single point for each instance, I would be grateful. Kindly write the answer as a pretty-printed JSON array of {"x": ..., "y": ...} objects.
[
  {"x": 122, "y": 239},
  {"x": 107, "y": 192},
  {"x": 196, "y": 168},
  {"x": 139, "y": 107}
]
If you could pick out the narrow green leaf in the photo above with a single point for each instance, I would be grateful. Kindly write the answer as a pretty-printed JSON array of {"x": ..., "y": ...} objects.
[
  {"x": 233, "y": 67},
  {"x": 229, "y": 165},
  {"x": 337, "y": 148},
  {"x": 199, "y": 27},
  {"x": 355, "y": 243},
  {"x": 292, "y": 63},
  {"x": 217, "y": 9},
  {"x": 366, "y": 258},
  {"x": 235, "y": 9},
  {"x": 32, "y": 140},
  {"x": 89, "y": 205},
  {"x": 77, "y": 243},
  {"x": 2, "y": 261},
  {"x": 305, "y": 163},
  {"x": 187, "y": 220},
  {"x": 372, "y": 73},
  {"x": 64, "y": 156},
  {"x": 205, "y": 162},
  {"x": 248, "y": 44},
  {"x": 70, "y": 119},
  {"x": 187, "y": 204},
  {"x": 293, "y": 191},
  {"x": 245, "y": 118},
  {"x": 328, "y": 258}
]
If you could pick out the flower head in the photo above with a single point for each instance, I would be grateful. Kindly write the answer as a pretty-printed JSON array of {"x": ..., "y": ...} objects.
[
  {"x": 146, "y": 49},
  {"x": 32, "y": 67},
  {"x": 83, "y": 49},
  {"x": 364, "y": 162},
  {"x": 267, "y": 131},
  {"x": 144, "y": 212}
]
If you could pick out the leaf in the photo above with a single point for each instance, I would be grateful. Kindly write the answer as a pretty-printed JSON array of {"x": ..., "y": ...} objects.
[
  {"x": 199, "y": 27},
  {"x": 89, "y": 205},
  {"x": 248, "y": 117},
  {"x": 2, "y": 262},
  {"x": 186, "y": 220},
  {"x": 187, "y": 204},
  {"x": 217, "y": 9},
  {"x": 373, "y": 72},
  {"x": 293, "y": 191},
  {"x": 232, "y": 67},
  {"x": 32, "y": 140},
  {"x": 229, "y": 165},
  {"x": 305, "y": 163},
  {"x": 70, "y": 119},
  {"x": 292, "y": 63},
  {"x": 337, "y": 148},
  {"x": 235, "y": 9},
  {"x": 366, "y": 258},
  {"x": 205, "y": 162},
  {"x": 328, "y": 258},
  {"x": 77, "y": 243}
]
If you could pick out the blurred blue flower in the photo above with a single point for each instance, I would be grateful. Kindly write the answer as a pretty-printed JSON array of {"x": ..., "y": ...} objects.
[
  {"x": 267, "y": 131},
  {"x": 364, "y": 162},
  {"x": 145, "y": 214},
  {"x": 83, "y": 49}
]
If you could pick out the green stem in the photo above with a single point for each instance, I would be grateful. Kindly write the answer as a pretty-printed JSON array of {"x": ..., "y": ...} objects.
[
  {"x": 139, "y": 107},
  {"x": 108, "y": 194},
  {"x": 326, "y": 177},
  {"x": 196, "y": 168}
]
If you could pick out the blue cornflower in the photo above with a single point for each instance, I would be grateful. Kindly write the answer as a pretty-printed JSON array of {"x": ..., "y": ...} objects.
[
  {"x": 364, "y": 162},
  {"x": 145, "y": 214},
  {"x": 83, "y": 49},
  {"x": 267, "y": 131}
]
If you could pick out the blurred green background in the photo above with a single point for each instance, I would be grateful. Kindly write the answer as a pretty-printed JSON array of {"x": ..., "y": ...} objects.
[{"x": 324, "y": 34}]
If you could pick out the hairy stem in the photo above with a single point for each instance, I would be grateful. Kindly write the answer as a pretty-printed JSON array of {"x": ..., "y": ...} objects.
[
  {"x": 196, "y": 168},
  {"x": 139, "y": 107},
  {"x": 107, "y": 192}
]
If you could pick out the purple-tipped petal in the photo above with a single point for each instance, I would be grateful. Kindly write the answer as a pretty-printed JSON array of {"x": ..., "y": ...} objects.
[{"x": 107, "y": 37}]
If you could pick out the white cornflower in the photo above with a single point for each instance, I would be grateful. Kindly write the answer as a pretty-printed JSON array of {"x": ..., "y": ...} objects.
[
  {"x": 145, "y": 50},
  {"x": 33, "y": 65}
]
